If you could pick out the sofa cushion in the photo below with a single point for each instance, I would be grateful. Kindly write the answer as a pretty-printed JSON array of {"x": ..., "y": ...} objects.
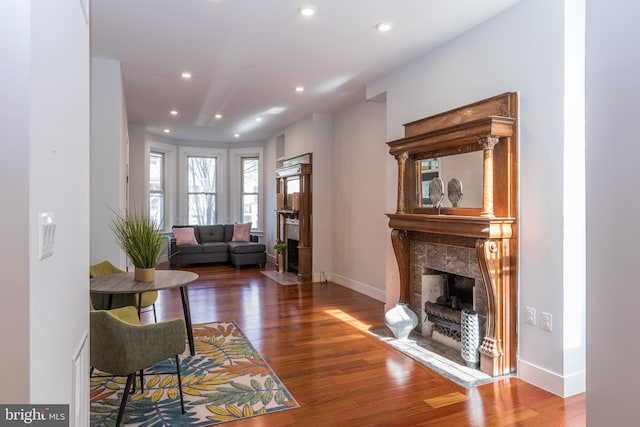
[
  {"x": 211, "y": 233},
  {"x": 195, "y": 230},
  {"x": 214, "y": 247},
  {"x": 241, "y": 232},
  {"x": 246, "y": 247},
  {"x": 185, "y": 236},
  {"x": 228, "y": 232},
  {"x": 189, "y": 249}
]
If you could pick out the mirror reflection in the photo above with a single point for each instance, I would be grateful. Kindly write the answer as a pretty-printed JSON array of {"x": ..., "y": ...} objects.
[
  {"x": 466, "y": 172},
  {"x": 293, "y": 185}
]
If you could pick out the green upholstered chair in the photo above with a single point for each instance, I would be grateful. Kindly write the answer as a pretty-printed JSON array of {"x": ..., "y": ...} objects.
[
  {"x": 121, "y": 346},
  {"x": 100, "y": 301}
]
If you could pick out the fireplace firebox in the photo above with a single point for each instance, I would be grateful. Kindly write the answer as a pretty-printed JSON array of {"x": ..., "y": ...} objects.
[
  {"x": 456, "y": 295},
  {"x": 292, "y": 255}
]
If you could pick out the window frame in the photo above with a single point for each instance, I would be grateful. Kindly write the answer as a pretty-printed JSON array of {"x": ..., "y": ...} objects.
[
  {"x": 235, "y": 188},
  {"x": 170, "y": 175},
  {"x": 183, "y": 179},
  {"x": 211, "y": 193},
  {"x": 244, "y": 193},
  {"x": 163, "y": 185}
]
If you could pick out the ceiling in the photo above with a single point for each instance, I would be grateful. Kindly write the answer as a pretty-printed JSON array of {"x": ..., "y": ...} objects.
[{"x": 247, "y": 56}]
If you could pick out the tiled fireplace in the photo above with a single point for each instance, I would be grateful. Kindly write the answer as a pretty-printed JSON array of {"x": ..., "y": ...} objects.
[
  {"x": 473, "y": 248},
  {"x": 446, "y": 279}
]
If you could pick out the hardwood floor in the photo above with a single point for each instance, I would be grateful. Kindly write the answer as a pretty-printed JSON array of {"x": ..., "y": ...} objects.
[{"x": 314, "y": 337}]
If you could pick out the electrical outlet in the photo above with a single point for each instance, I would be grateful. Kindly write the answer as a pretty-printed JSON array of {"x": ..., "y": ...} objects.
[
  {"x": 530, "y": 315},
  {"x": 547, "y": 322}
]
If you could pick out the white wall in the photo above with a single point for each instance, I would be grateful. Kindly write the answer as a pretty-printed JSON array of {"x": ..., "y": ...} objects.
[
  {"x": 270, "y": 198},
  {"x": 48, "y": 47},
  {"x": 298, "y": 138},
  {"x": 322, "y": 193},
  {"x": 139, "y": 167},
  {"x": 15, "y": 34},
  {"x": 612, "y": 96},
  {"x": 511, "y": 52},
  {"x": 359, "y": 226},
  {"x": 109, "y": 158},
  {"x": 574, "y": 256}
]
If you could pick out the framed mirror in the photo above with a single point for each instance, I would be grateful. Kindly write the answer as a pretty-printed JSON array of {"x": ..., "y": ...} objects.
[{"x": 458, "y": 172}]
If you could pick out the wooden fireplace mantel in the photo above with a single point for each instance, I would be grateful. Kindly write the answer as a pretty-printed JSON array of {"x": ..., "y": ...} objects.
[
  {"x": 491, "y": 126},
  {"x": 456, "y": 225},
  {"x": 299, "y": 170}
]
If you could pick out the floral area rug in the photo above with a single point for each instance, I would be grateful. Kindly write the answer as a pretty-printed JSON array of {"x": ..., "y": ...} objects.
[{"x": 226, "y": 380}]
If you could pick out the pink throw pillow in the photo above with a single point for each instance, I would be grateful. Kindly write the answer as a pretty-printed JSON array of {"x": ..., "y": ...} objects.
[
  {"x": 184, "y": 236},
  {"x": 241, "y": 232}
]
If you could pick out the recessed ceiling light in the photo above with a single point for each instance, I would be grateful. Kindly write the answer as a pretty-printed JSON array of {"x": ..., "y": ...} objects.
[
  {"x": 236, "y": 135},
  {"x": 218, "y": 116},
  {"x": 167, "y": 130},
  {"x": 307, "y": 10},
  {"x": 186, "y": 75},
  {"x": 384, "y": 26},
  {"x": 258, "y": 119},
  {"x": 274, "y": 110},
  {"x": 173, "y": 112},
  {"x": 299, "y": 88}
]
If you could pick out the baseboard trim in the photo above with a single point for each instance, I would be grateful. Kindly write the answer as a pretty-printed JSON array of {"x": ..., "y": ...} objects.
[
  {"x": 363, "y": 288},
  {"x": 272, "y": 259},
  {"x": 563, "y": 386}
]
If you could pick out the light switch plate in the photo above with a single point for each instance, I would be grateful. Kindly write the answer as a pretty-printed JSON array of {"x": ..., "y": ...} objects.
[{"x": 47, "y": 231}]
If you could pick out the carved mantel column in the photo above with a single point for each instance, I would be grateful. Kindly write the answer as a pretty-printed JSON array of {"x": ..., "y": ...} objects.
[
  {"x": 402, "y": 250},
  {"x": 492, "y": 356},
  {"x": 488, "y": 143},
  {"x": 402, "y": 171}
]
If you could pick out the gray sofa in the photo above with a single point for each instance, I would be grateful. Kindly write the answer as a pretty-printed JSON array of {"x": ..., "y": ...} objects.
[{"x": 215, "y": 245}]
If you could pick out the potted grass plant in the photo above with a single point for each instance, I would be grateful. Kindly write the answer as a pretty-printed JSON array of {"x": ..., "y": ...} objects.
[
  {"x": 141, "y": 239},
  {"x": 280, "y": 247}
]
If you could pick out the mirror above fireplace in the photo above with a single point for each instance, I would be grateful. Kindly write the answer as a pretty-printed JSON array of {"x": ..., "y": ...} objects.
[
  {"x": 462, "y": 178},
  {"x": 462, "y": 144}
]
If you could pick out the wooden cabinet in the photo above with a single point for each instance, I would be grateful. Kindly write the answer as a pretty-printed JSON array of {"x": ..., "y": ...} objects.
[{"x": 294, "y": 214}]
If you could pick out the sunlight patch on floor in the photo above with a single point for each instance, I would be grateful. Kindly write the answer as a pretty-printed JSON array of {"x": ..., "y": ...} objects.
[
  {"x": 341, "y": 315},
  {"x": 446, "y": 399}
]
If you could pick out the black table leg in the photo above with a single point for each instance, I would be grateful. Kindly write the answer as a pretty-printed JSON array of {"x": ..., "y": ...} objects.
[{"x": 187, "y": 318}]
